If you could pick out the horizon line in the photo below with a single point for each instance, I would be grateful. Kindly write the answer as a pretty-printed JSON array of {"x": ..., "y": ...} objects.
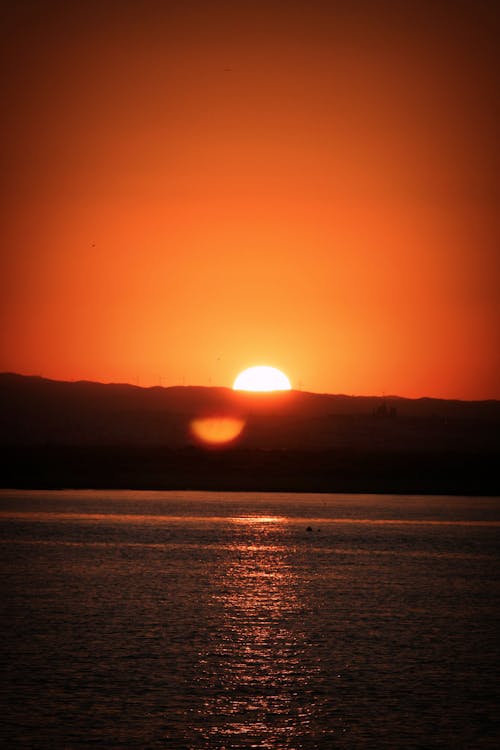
[{"x": 251, "y": 393}]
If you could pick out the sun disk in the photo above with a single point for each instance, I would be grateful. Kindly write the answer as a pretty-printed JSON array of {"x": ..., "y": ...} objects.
[{"x": 262, "y": 378}]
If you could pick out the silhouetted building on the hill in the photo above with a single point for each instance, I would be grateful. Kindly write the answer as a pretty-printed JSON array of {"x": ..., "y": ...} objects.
[{"x": 385, "y": 412}]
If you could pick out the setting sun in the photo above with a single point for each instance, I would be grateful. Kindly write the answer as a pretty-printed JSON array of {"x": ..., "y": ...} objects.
[{"x": 261, "y": 378}]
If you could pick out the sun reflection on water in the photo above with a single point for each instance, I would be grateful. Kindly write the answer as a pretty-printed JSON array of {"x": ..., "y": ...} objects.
[
  {"x": 259, "y": 668},
  {"x": 257, "y": 520}
]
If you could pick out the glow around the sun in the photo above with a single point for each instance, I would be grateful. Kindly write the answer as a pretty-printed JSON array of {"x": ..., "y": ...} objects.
[{"x": 262, "y": 378}]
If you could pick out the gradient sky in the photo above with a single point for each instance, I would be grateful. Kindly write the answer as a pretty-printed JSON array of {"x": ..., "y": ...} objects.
[{"x": 192, "y": 188}]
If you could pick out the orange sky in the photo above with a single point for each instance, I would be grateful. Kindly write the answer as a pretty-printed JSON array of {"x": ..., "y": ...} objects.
[{"x": 191, "y": 188}]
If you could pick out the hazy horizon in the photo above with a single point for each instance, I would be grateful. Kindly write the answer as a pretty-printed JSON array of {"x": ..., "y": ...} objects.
[{"x": 368, "y": 395}]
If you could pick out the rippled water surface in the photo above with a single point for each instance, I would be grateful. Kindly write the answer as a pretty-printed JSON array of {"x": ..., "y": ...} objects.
[{"x": 234, "y": 620}]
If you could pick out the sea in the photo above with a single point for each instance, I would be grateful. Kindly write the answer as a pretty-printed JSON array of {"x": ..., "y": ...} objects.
[{"x": 205, "y": 620}]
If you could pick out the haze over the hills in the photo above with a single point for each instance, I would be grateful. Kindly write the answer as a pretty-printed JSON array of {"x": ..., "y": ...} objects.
[
  {"x": 38, "y": 410},
  {"x": 82, "y": 434}
]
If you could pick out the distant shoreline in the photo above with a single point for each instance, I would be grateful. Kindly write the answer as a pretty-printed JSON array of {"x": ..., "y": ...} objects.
[
  {"x": 55, "y": 434},
  {"x": 139, "y": 467}
]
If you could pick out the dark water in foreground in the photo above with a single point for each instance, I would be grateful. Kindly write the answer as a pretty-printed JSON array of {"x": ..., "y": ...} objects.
[{"x": 208, "y": 620}]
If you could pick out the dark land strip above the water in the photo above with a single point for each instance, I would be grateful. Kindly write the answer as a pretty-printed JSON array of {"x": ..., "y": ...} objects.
[
  {"x": 94, "y": 435},
  {"x": 240, "y": 469}
]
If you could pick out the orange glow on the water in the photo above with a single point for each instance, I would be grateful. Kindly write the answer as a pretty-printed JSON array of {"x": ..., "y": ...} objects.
[
  {"x": 217, "y": 430},
  {"x": 260, "y": 642},
  {"x": 256, "y": 520}
]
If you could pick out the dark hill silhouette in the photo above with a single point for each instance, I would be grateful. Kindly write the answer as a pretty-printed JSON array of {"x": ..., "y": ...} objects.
[
  {"x": 37, "y": 391},
  {"x": 311, "y": 441}
]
